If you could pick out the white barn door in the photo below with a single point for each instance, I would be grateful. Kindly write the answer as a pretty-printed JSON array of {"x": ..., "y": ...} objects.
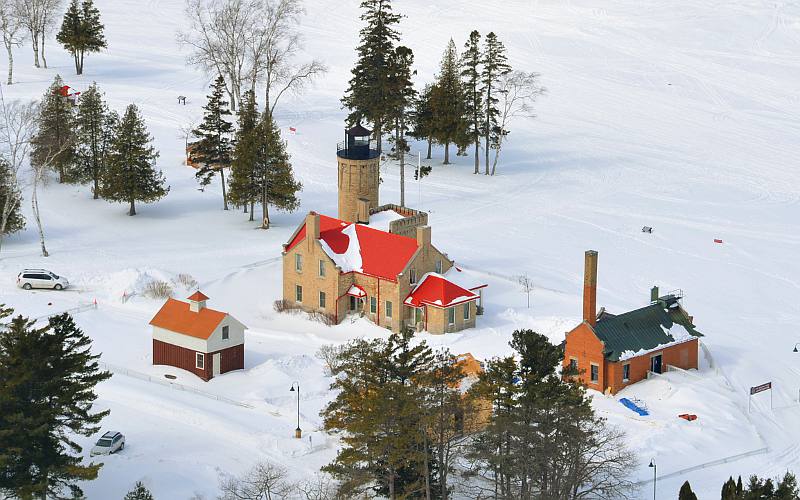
[{"x": 216, "y": 361}]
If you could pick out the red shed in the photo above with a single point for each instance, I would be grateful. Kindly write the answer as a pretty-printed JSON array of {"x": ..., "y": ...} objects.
[{"x": 190, "y": 336}]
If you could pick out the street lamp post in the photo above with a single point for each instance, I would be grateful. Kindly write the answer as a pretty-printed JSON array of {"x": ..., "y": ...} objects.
[
  {"x": 653, "y": 465},
  {"x": 298, "y": 433}
]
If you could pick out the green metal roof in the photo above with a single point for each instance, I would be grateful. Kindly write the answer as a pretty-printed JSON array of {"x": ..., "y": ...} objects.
[{"x": 643, "y": 329}]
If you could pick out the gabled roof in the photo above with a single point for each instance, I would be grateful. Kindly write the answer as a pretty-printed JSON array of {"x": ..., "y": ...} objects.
[
  {"x": 197, "y": 296},
  {"x": 650, "y": 328},
  {"x": 361, "y": 249},
  {"x": 175, "y": 316},
  {"x": 436, "y": 290}
]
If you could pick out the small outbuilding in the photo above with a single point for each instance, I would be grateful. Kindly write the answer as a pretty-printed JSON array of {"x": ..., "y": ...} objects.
[{"x": 190, "y": 336}]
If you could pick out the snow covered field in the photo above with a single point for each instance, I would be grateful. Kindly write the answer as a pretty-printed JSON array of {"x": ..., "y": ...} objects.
[{"x": 678, "y": 115}]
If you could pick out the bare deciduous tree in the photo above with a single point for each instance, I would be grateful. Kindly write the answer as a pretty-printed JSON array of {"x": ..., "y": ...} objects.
[
  {"x": 17, "y": 126},
  {"x": 39, "y": 17},
  {"x": 318, "y": 487},
  {"x": 527, "y": 286},
  {"x": 518, "y": 92},
  {"x": 265, "y": 481},
  {"x": 11, "y": 27}
]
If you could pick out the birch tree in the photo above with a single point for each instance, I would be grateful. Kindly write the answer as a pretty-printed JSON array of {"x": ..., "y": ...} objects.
[
  {"x": 518, "y": 92},
  {"x": 17, "y": 126},
  {"x": 12, "y": 31},
  {"x": 39, "y": 18}
]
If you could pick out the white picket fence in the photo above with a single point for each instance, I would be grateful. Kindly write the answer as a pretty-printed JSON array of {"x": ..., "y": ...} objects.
[
  {"x": 119, "y": 370},
  {"x": 71, "y": 310},
  {"x": 726, "y": 460}
]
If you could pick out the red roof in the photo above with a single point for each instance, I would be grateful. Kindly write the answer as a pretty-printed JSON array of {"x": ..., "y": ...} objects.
[
  {"x": 435, "y": 290},
  {"x": 197, "y": 296},
  {"x": 175, "y": 316},
  {"x": 382, "y": 254}
]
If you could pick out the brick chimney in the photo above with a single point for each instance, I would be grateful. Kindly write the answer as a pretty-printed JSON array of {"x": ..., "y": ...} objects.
[
  {"x": 312, "y": 229},
  {"x": 590, "y": 288},
  {"x": 424, "y": 237}
]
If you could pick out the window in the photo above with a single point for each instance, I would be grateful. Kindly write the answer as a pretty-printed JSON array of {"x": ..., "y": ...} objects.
[
  {"x": 451, "y": 315},
  {"x": 322, "y": 268},
  {"x": 466, "y": 311},
  {"x": 225, "y": 333},
  {"x": 626, "y": 372},
  {"x": 573, "y": 365},
  {"x": 655, "y": 364},
  {"x": 439, "y": 266},
  {"x": 595, "y": 373},
  {"x": 200, "y": 361},
  {"x": 298, "y": 262},
  {"x": 373, "y": 305},
  {"x": 418, "y": 315},
  {"x": 412, "y": 276},
  {"x": 298, "y": 293},
  {"x": 322, "y": 300},
  {"x": 388, "y": 309}
]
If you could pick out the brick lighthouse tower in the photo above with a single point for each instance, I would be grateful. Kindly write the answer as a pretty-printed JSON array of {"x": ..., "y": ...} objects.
[{"x": 359, "y": 176}]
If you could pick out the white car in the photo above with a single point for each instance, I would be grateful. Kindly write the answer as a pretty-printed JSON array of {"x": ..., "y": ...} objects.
[
  {"x": 41, "y": 278},
  {"x": 110, "y": 442}
]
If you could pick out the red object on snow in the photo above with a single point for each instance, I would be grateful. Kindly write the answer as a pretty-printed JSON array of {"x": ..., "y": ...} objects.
[
  {"x": 688, "y": 416},
  {"x": 717, "y": 240},
  {"x": 292, "y": 129}
]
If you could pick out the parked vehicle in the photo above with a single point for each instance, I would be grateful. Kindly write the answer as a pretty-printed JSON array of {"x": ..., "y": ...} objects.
[
  {"x": 110, "y": 442},
  {"x": 41, "y": 278}
]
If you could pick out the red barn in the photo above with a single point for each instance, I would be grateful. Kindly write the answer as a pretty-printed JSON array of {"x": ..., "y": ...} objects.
[
  {"x": 190, "y": 336},
  {"x": 611, "y": 351}
]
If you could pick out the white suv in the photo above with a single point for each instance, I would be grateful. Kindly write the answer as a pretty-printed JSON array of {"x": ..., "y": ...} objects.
[
  {"x": 109, "y": 443},
  {"x": 41, "y": 278}
]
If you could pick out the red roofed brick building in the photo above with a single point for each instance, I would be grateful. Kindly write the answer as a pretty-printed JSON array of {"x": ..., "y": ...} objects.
[
  {"x": 374, "y": 260},
  {"x": 190, "y": 336}
]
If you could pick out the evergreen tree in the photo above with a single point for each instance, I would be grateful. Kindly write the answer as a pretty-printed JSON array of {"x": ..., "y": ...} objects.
[
  {"x": 370, "y": 88},
  {"x": 139, "y": 492},
  {"x": 95, "y": 126},
  {"x": 422, "y": 126},
  {"x": 471, "y": 74},
  {"x": 274, "y": 174},
  {"x": 213, "y": 150},
  {"x": 54, "y": 143},
  {"x": 495, "y": 65},
  {"x": 729, "y": 490},
  {"x": 686, "y": 492},
  {"x": 81, "y": 31},
  {"x": 10, "y": 201},
  {"x": 398, "y": 109},
  {"x": 450, "y": 125},
  {"x": 130, "y": 175},
  {"x": 46, "y": 397},
  {"x": 243, "y": 182}
]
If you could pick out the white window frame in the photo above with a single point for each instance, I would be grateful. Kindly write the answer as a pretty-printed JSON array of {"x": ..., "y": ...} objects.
[
  {"x": 439, "y": 266},
  {"x": 628, "y": 378},
  {"x": 321, "y": 268},
  {"x": 575, "y": 366},
  {"x": 388, "y": 310},
  {"x": 451, "y": 316},
  {"x": 200, "y": 360},
  {"x": 591, "y": 373},
  {"x": 226, "y": 332},
  {"x": 373, "y": 305},
  {"x": 298, "y": 294},
  {"x": 467, "y": 312},
  {"x": 298, "y": 262},
  {"x": 412, "y": 276},
  {"x": 323, "y": 300}
]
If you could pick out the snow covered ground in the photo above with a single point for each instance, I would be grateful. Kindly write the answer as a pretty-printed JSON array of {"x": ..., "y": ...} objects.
[{"x": 678, "y": 115}]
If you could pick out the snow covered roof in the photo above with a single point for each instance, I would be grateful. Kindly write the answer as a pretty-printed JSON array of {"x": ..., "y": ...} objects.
[
  {"x": 356, "y": 291},
  {"x": 361, "y": 249},
  {"x": 464, "y": 279},
  {"x": 381, "y": 220},
  {"x": 436, "y": 290},
  {"x": 644, "y": 330}
]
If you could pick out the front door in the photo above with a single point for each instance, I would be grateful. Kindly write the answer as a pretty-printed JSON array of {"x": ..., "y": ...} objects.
[
  {"x": 655, "y": 364},
  {"x": 216, "y": 364}
]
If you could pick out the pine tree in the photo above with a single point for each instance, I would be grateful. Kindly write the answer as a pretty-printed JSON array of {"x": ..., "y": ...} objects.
[
  {"x": 130, "y": 175},
  {"x": 450, "y": 125},
  {"x": 139, "y": 492},
  {"x": 10, "y": 201},
  {"x": 369, "y": 89},
  {"x": 422, "y": 118},
  {"x": 729, "y": 491},
  {"x": 243, "y": 182},
  {"x": 471, "y": 74},
  {"x": 398, "y": 109},
  {"x": 95, "y": 125},
  {"x": 46, "y": 398},
  {"x": 213, "y": 150},
  {"x": 686, "y": 492},
  {"x": 274, "y": 174},
  {"x": 54, "y": 144},
  {"x": 495, "y": 65},
  {"x": 81, "y": 31}
]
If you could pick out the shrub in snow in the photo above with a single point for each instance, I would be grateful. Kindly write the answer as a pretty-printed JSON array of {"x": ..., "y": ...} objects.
[
  {"x": 321, "y": 317},
  {"x": 139, "y": 492},
  {"x": 285, "y": 306},
  {"x": 157, "y": 289},
  {"x": 187, "y": 281}
]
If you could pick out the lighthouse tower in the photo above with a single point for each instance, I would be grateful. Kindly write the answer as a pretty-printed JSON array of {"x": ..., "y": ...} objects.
[{"x": 359, "y": 177}]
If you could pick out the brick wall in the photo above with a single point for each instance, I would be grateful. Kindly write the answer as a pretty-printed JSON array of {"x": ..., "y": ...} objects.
[
  {"x": 683, "y": 356},
  {"x": 584, "y": 346},
  {"x": 357, "y": 179}
]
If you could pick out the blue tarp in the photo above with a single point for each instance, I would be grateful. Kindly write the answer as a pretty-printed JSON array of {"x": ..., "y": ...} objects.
[{"x": 632, "y": 406}]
